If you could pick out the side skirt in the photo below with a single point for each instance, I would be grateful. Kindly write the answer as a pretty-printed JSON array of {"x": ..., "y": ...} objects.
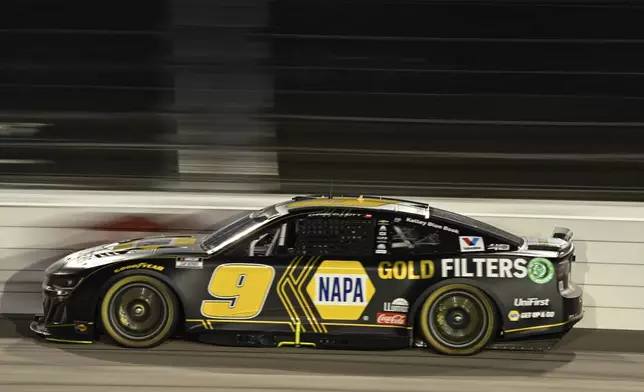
[{"x": 342, "y": 342}]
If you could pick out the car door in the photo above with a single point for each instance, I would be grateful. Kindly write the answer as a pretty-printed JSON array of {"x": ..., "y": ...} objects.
[
  {"x": 408, "y": 253},
  {"x": 339, "y": 244},
  {"x": 245, "y": 282},
  {"x": 302, "y": 271}
]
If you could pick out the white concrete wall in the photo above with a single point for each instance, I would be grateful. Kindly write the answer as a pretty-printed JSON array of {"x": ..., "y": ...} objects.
[{"x": 38, "y": 227}]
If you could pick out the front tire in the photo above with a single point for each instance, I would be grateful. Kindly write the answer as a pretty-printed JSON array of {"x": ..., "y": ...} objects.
[
  {"x": 139, "y": 311},
  {"x": 458, "y": 319}
]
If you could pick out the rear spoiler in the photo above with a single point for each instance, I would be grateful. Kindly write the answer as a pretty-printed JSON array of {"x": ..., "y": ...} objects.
[{"x": 562, "y": 233}]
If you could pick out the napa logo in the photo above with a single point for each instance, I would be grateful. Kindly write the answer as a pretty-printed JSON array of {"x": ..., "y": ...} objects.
[{"x": 340, "y": 290}]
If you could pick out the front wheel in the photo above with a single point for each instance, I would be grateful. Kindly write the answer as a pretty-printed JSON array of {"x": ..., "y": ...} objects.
[
  {"x": 139, "y": 311},
  {"x": 458, "y": 319}
]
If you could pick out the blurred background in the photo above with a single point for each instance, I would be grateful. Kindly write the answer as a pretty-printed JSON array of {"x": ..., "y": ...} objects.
[{"x": 521, "y": 99}]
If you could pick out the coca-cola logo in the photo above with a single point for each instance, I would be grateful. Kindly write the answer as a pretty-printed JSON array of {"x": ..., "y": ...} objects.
[{"x": 391, "y": 318}]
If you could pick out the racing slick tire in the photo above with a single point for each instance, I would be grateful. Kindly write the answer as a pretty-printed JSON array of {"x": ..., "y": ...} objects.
[
  {"x": 139, "y": 311},
  {"x": 458, "y": 319}
]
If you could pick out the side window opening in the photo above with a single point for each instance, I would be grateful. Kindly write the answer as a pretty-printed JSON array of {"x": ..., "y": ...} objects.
[
  {"x": 269, "y": 241},
  {"x": 405, "y": 237},
  {"x": 334, "y": 236},
  {"x": 266, "y": 244},
  {"x": 417, "y": 235},
  {"x": 343, "y": 234}
]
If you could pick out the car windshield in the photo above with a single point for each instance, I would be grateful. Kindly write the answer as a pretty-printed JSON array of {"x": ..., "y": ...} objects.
[{"x": 236, "y": 225}]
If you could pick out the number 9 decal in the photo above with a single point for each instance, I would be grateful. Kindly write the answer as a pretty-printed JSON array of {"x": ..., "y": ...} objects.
[{"x": 240, "y": 289}]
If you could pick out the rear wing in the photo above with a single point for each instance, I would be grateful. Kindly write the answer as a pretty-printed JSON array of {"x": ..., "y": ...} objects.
[
  {"x": 562, "y": 233},
  {"x": 566, "y": 235}
]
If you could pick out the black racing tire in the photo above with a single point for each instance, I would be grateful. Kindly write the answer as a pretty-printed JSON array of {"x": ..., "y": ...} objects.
[
  {"x": 458, "y": 319},
  {"x": 139, "y": 311}
]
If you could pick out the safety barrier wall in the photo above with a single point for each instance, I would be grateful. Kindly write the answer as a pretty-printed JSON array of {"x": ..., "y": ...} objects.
[{"x": 37, "y": 227}]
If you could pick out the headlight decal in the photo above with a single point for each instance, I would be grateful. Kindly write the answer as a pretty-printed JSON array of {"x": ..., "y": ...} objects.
[{"x": 63, "y": 282}]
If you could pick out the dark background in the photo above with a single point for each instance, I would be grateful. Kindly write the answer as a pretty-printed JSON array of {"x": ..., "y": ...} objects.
[{"x": 469, "y": 99}]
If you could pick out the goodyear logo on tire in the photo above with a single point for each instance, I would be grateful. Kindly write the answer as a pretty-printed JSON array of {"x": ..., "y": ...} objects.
[{"x": 340, "y": 290}]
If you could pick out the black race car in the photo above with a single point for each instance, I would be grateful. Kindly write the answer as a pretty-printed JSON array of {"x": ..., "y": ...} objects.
[{"x": 324, "y": 272}]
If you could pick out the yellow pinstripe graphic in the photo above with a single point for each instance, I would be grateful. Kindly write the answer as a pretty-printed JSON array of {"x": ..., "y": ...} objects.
[
  {"x": 285, "y": 299},
  {"x": 207, "y": 323},
  {"x": 173, "y": 242},
  {"x": 69, "y": 341},
  {"x": 288, "y": 283},
  {"x": 303, "y": 298},
  {"x": 296, "y": 287},
  {"x": 184, "y": 241},
  {"x": 367, "y": 325},
  {"x": 203, "y": 322},
  {"x": 294, "y": 283},
  {"x": 342, "y": 202},
  {"x": 210, "y": 321},
  {"x": 290, "y": 309},
  {"x": 65, "y": 325},
  {"x": 539, "y": 326}
]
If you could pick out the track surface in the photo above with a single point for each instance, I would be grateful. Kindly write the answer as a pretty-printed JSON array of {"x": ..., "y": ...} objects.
[{"x": 31, "y": 364}]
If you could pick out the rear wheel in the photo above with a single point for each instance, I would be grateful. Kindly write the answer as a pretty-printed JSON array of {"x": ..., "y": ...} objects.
[
  {"x": 139, "y": 311},
  {"x": 458, "y": 319}
]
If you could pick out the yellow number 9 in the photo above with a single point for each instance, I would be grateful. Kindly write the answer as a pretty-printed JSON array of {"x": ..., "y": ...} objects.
[{"x": 240, "y": 289}]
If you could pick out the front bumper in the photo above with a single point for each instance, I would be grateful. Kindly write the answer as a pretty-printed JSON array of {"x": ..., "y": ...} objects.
[
  {"x": 56, "y": 324},
  {"x": 38, "y": 326},
  {"x": 76, "y": 332}
]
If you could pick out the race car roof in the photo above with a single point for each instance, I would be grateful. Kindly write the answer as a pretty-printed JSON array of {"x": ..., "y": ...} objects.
[
  {"x": 398, "y": 205},
  {"x": 371, "y": 202}
]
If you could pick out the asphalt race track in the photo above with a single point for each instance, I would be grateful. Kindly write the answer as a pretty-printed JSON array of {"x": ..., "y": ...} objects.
[{"x": 583, "y": 361}]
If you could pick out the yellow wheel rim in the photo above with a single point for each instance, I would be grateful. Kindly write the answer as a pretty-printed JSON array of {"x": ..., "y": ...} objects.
[
  {"x": 137, "y": 311},
  {"x": 457, "y": 319}
]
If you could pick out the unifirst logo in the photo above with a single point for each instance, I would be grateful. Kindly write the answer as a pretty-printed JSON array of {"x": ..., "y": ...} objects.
[
  {"x": 531, "y": 302},
  {"x": 340, "y": 289}
]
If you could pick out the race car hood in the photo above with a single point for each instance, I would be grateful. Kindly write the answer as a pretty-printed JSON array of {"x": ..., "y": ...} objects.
[{"x": 126, "y": 250}]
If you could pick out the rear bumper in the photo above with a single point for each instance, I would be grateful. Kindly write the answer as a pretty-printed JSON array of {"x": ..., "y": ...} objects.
[{"x": 571, "y": 313}]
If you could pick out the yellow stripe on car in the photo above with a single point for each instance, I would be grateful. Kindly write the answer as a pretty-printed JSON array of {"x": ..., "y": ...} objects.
[{"x": 341, "y": 202}]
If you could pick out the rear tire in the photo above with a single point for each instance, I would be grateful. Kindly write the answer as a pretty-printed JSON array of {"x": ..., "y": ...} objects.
[
  {"x": 458, "y": 319},
  {"x": 139, "y": 311}
]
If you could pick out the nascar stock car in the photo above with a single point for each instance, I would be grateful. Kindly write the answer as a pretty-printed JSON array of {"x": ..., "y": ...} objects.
[{"x": 351, "y": 272}]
